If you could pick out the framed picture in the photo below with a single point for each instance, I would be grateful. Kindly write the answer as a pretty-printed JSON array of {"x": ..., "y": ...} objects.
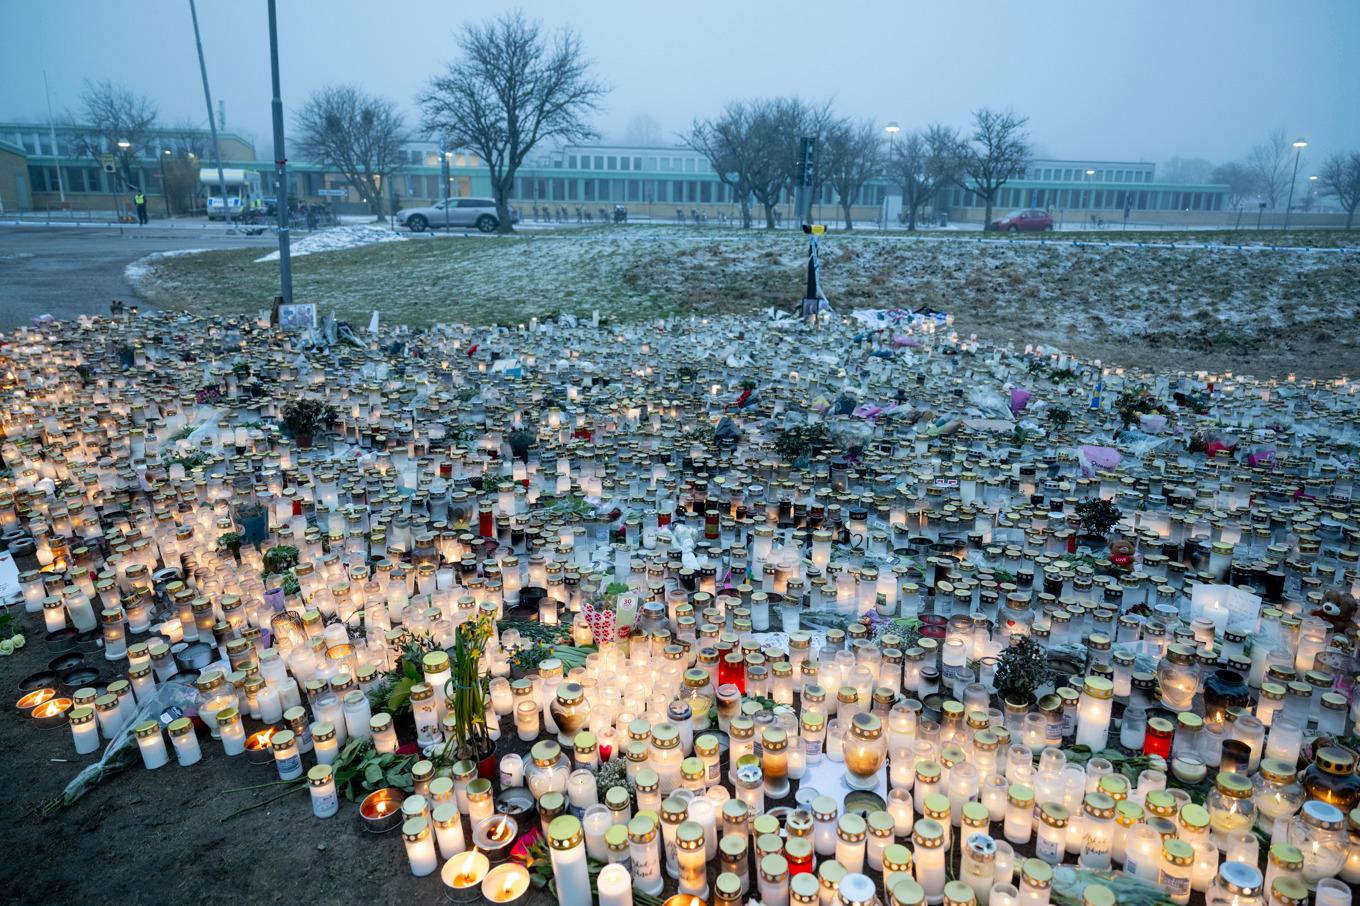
[{"x": 297, "y": 316}]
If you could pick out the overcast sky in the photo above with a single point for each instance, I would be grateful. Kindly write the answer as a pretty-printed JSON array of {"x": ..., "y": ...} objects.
[{"x": 1129, "y": 81}]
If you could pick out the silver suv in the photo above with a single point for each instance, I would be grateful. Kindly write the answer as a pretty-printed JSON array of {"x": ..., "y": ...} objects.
[{"x": 455, "y": 212}]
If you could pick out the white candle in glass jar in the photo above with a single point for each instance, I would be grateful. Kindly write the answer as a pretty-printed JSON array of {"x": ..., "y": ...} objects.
[
  {"x": 568, "y": 854},
  {"x": 415, "y": 834},
  {"x": 286, "y": 758},
  {"x": 151, "y": 744},
  {"x": 448, "y": 829},
  {"x": 929, "y": 858},
  {"x": 321, "y": 785},
  {"x": 271, "y": 705},
  {"x": 324, "y": 742},
  {"x": 185, "y": 742},
  {"x": 84, "y": 729},
  {"x": 1019, "y": 814},
  {"x": 615, "y": 886},
  {"x": 1093, "y": 713},
  {"x": 232, "y": 733}
]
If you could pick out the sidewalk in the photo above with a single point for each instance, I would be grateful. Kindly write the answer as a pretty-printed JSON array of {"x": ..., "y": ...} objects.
[{"x": 106, "y": 219}]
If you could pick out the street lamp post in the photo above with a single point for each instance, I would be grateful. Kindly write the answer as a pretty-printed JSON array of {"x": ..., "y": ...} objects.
[
  {"x": 892, "y": 129},
  {"x": 123, "y": 146},
  {"x": 165, "y": 188},
  {"x": 1299, "y": 145},
  {"x": 444, "y": 164}
]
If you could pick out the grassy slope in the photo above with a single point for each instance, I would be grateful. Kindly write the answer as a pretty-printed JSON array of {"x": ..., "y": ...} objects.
[{"x": 1259, "y": 312}]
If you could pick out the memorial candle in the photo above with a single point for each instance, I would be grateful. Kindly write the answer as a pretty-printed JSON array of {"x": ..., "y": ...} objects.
[
  {"x": 929, "y": 858},
  {"x": 151, "y": 744},
  {"x": 448, "y": 829},
  {"x": 185, "y": 742},
  {"x": 321, "y": 785},
  {"x": 505, "y": 883},
  {"x": 568, "y": 856},
  {"x": 615, "y": 886},
  {"x": 462, "y": 876}
]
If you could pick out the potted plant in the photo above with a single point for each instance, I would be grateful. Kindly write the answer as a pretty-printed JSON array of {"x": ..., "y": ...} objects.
[
  {"x": 252, "y": 521},
  {"x": 1020, "y": 670},
  {"x": 1097, "y": 517},
  {"x": 797, "y": 446},
  {"x": 522, "y": 441},
  {"x": 302, "y": 418},
  {"x": 467, "y": 696},
  {"x": 231, "y": 541}
]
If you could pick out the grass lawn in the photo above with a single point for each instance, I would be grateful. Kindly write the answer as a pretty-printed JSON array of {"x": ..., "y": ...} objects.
[{"x": 1250, "y": 310}]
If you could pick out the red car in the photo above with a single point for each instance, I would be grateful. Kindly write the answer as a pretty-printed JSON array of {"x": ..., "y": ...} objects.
[{"x": 1027, "y": 219}]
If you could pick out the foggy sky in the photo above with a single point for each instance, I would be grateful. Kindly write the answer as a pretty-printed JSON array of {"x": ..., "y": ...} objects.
[{"x": 1144, "y": 81}]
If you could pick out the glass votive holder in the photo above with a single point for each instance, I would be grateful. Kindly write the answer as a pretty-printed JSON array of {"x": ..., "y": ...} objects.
[
  {"x": 994, "y": 792},
  {"x": 526, "y": 720},
  {"x": 900, "y": 807},
  {"x": 796, "y": 758},
  {"x": 1004, "y": 895},
  {"x": 1331, "y": 892},
  {"x": 1242, "y": 847},
  {"x": 1004, "y": 864},
  {"x": 834, "y": 732}
]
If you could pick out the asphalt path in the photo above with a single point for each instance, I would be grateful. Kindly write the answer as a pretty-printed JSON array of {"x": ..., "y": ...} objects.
[{"x": 71, "y": 272}]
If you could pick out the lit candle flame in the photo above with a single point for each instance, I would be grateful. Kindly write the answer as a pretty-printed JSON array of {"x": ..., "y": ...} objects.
[
  {"x": 36, "y": 697},
  {"x": 466, "y": 876}
]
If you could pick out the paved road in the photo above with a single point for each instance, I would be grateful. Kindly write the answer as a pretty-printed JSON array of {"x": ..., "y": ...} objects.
[{"x": 71, "y": 272}]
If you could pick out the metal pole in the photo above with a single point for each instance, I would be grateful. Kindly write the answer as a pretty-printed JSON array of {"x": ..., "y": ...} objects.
[
  {"x": 447, "y": 176},
  {"x": 280, "y": 164},
  {"x": 165, "y": 189},
  {"x": 212, "y": 123},
  {"x": 52, "y": 133},
  {"x": 1293, "y": 179}
]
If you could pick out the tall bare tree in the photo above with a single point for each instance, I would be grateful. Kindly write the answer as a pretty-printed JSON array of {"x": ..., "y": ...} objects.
[
  {"x": 850, "y": 154},
  {"x": 357, "y": 134},
  {"x": 1239, "y": 180},
  {"x": 512, "y": 89},
  {"x": 996, "y": 152},
  {"x": 923, "y": 164},
  {"x": 727, "y": 144},
  {"x": 753, "y": 147},
  {"x": 1269, "y": 166},
  {"x": 190, "y": 148},
  {"x": 643, "y": 129},
  {"x": 114, "y": 119},
  {"x": 1340, "y": 178}
]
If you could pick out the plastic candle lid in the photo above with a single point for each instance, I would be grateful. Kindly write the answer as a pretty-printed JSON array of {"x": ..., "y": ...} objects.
[{"x": 907, "y": 891}]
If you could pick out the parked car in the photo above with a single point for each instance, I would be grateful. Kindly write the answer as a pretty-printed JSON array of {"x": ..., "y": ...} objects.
[
  {"x": 461, "y": 213},
  {"x": 1021, "y": 221}
]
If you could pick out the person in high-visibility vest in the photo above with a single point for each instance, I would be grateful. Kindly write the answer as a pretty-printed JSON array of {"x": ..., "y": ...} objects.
[{"x": 140, "y": 200}]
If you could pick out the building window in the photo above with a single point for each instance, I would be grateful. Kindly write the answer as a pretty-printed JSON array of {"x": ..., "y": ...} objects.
[
  {"x": 599, "y": 161},
  {"x": 589, "y": 186},
  {"x": 625, "y": 163},
  {"x": 651, "y": 163},
  {"x": 613, "y": 163},
  {"x": 571, "y": 161}
]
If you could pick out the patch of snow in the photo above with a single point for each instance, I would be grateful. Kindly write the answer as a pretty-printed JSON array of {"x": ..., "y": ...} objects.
[
  {"x": 337, "y": 238},
  {"x": 138, "y": 270}
]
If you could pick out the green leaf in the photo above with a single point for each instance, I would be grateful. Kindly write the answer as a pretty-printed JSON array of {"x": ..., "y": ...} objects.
[{"x": 373, "y": 773}]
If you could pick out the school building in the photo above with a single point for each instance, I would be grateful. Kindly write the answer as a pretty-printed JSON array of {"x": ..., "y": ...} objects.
[{"x": 657, "y": 183}]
